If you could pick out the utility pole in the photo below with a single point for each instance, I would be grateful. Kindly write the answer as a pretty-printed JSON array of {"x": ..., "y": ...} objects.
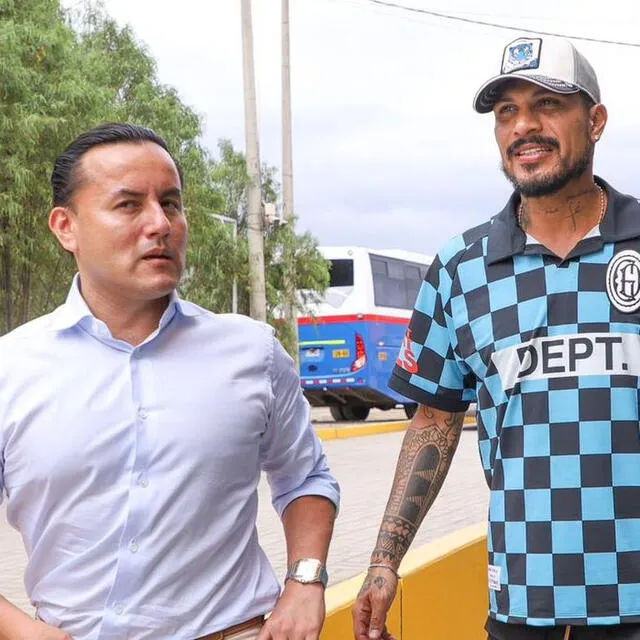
[
  {"x": 287, "y": 184},
  {"x": 234, "y": 285},
  {"x": 257, "y": 293}
]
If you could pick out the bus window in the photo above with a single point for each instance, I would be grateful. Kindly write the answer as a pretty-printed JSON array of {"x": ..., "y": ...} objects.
[
  {"x": 389, "y": 288},
  {"x": 378, "y": 267},
  {"x": 396, "y": 283},
  {"x": 395, "y": 270},
  {"x": 341, "y": 273},
  {"x": 413, "y": 282}
]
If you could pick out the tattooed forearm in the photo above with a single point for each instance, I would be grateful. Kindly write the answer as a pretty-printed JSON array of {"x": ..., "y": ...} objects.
[{"x": 425, "y": 458}]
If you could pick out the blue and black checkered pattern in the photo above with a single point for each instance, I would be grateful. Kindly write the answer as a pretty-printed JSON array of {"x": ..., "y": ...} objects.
[{"x": 554, "y": 366}]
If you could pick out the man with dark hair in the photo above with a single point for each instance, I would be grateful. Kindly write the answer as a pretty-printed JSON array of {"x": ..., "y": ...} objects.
[
  {"x": 134, "y": 426},
  {"x": 535, "y": 316}
]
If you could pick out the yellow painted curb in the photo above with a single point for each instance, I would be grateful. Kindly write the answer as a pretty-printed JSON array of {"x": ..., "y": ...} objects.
[
  {"x": 374, "y": 429},
  {"x": 362, "y": 429}
]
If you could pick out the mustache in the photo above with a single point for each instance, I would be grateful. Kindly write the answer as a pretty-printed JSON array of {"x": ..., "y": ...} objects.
[{"x": 548, "y": 142}]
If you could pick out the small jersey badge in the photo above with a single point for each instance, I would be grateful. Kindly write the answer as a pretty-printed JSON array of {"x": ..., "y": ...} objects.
[{"x": 623, "y": 281}]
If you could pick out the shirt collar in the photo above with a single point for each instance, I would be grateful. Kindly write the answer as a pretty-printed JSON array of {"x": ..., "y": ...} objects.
[
  {"x": 621, "y": 222},
  {"x": 75, "y": 309}
]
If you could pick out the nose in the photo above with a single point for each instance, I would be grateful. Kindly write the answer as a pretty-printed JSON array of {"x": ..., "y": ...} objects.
[
  {"x": 157, "y": 223},
  {"x": 526, "y": 123}
]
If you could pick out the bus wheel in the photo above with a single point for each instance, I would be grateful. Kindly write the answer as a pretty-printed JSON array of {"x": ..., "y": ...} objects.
[
  {"x": 337, "y": 412},
  {"x": 410, "y": 410},
  {"x": 355, "y": 413}
]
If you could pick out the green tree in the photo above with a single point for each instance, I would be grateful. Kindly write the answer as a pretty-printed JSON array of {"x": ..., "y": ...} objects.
[
  {"x": 230, "y": 178},
  {"x": 42, "y": 99},
  {"x": 60, "y": 75}
]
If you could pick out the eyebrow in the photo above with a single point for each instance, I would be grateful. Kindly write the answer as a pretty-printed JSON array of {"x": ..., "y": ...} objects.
[
  {"x": 506, "y": 97},
  {"x": 174, "y": 191}
]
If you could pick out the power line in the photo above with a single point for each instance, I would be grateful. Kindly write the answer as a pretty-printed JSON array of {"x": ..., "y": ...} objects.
[{"x": 495, "y": 25}]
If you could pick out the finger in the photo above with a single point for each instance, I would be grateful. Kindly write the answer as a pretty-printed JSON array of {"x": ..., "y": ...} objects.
[
  {"x": 264, "y": 633},
  {"x": 360, "y": 615},
  {"x": 378, "y": 617}
]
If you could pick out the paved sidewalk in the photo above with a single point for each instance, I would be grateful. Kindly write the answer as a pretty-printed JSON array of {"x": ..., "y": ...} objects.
[{"x": 364, "y": 467}]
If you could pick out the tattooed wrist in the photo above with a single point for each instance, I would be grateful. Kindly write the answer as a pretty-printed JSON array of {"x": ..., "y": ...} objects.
[
  {"x": 394, "y": 539},
  {"x": 388, "y": 567}
]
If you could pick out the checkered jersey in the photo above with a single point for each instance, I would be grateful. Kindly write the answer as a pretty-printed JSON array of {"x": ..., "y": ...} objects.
[{"x": 550, "y": 351}]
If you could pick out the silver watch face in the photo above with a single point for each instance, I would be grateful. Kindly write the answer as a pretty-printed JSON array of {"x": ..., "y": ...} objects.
[{"x": 308, "y": 570}]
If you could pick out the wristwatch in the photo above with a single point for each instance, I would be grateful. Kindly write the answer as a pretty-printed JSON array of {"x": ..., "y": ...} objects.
[{"x": 307, "y": 571}]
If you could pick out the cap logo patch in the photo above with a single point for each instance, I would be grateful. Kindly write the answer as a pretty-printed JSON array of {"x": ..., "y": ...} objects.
[{"x": 521, "y": 54}]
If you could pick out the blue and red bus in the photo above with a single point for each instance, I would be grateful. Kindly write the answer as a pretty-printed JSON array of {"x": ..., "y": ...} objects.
[{"x": 350, "y": 339}]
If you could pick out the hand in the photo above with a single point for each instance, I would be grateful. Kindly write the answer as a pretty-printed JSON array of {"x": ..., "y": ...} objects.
[
  {"x": 298, "y": 615},
  {"x": 40, "y": 631},
  {"x": 372, "y": 605}
]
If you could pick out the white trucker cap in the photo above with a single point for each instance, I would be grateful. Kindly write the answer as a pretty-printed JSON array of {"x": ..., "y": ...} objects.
[{"x": 553, "y": 63}]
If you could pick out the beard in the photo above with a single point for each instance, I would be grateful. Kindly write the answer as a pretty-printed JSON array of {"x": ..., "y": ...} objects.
[{"x": 549, "y": 183}]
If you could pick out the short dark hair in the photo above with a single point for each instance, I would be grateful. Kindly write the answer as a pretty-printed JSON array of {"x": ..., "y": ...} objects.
[
  {"x": 65, "y": 179},
  {"x": 587, "y": 100}
]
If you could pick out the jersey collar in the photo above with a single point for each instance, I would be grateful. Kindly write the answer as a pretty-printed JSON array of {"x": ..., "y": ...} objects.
[{"x": 621, "y": 222}]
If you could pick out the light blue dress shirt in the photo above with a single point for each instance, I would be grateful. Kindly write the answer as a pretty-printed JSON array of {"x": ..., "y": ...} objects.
[{"x": 131, "y": 472}]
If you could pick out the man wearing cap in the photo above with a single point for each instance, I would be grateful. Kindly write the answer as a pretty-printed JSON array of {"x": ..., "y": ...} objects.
[{"x": 534, "y": 315}]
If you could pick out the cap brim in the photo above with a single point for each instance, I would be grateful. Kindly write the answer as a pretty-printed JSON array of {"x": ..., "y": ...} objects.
[{"x": 489, "y": 92}]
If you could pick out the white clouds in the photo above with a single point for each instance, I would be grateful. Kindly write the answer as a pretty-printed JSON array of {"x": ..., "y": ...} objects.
[{"x": 386, "y": 145}]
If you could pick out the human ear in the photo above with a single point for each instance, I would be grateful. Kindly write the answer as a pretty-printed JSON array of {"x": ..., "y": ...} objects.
[{"x": 62, "y": 225}]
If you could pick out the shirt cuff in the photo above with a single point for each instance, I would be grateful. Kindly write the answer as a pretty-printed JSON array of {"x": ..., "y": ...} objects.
[
  {"x": 317, "y": 486},
  {"x": 453, "y": 405}
]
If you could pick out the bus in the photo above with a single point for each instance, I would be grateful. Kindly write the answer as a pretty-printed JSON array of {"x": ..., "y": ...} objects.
[{"x": 349, "y": 340}]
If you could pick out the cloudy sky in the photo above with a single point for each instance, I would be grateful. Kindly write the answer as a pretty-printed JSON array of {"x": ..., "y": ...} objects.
[{"x": 387, "y": 150}]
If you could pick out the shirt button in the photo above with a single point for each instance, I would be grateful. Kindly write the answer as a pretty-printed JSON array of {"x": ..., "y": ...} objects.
[
  {"x": 142, "y": 414},
  {"x": 143, "y": 482},
  {"x": 133, "y": 546},
  {"x": 119, "y": 609}
]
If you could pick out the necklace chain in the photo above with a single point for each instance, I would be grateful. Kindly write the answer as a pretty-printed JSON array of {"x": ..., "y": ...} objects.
[{"x": 602, "y": 206}]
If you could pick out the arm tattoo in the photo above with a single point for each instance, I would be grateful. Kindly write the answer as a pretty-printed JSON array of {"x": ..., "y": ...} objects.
[
  {"x": 425, "y": 458},
  {"x": 366, "y": 585},
  {"x": 378, "y": 582}
]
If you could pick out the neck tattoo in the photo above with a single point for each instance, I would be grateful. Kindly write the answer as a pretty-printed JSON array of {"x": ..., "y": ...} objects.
[{"x": 603, "y": 208}]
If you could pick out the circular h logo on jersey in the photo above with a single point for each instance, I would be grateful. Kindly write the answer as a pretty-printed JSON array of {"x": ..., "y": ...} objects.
[{"x": 623, "y": 281}]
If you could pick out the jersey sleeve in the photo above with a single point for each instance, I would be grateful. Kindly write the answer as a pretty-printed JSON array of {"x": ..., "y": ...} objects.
[{"x": 427, "y": 369}]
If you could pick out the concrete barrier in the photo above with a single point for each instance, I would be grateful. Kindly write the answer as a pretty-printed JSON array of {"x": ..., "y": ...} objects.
[
  {"x": 361, "y": 429},
  {"x": 442, "y": 593}
]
